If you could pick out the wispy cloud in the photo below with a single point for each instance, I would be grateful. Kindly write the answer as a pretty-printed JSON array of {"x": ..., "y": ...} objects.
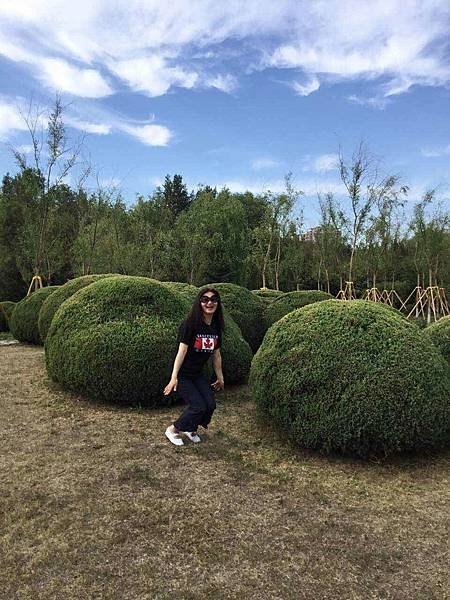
[
  {"x": 92, "y": 48},
  {"x": 378, "y": 102},
  {"x": 306, "y": 88},
  {"x": 225, "y": 83},
  {"x": 58, "y": 74},
  {"x": 10, "y": 120},
  {"x": 96, "y": 121},
  {"x": 309, "y": 187},
  {"x": 405, "y": 43},
  {"x": 258, "y": 164},
  {"x": 434, "y": 152},
  {"x": 320, "y": 164}
]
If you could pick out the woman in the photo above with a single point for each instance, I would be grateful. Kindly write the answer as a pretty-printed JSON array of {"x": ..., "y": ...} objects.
[{"x": 199, "y": 337}]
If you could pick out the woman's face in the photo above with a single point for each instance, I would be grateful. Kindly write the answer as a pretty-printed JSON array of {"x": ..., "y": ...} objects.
[{"x": 208, "y": 302}]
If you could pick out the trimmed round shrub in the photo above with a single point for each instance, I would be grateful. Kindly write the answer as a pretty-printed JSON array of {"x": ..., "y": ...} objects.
[
  {"x": 23, "y": 323},
  {"x": 245, "y": 309},
  {"x": 236, "y": 353},
  {"x": 290, "y": 301},
  {"x": 352, "y": 377},
  {"x": 8, "y": 308},
  {"x": 266, "y": 295},
  {"x": 439, "y": 333},
  {"x": 185, "y": 289},
  {"x": 53, "y": 302},
  {"x": 115, "y": 340}
]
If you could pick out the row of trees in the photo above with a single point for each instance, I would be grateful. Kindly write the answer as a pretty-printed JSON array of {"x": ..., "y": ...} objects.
[{"x": 57, "y": 231}]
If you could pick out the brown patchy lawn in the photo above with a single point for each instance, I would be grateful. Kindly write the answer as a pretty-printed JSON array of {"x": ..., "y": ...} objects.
[{"x": 96, "y": 503}]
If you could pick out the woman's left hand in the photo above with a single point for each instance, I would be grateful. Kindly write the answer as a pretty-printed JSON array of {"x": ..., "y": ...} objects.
[{"x": 218, "y": 384}]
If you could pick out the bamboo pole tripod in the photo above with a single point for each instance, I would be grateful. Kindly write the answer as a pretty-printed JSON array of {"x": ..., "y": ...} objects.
[
  {"x": 36, "y": 284},
  {"x": 431, "y": 303},
  {"x": 372, "y": 294},
  {"x": 417, "y": 293},
  {"x": 389, "y": 297},
  {"x": 348, "y": 293}
]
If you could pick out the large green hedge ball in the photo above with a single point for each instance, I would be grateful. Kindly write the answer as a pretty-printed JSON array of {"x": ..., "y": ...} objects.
[
  {"x": 23, "y": 323},
  {"x": 53, "y": 302},
  {"x": 290, "y": 301},
  {"x": 352, "y": 377},
  {"x": 236, "y": 353},
  {"x": 115, "y": 340},
  {"x": 266, "y": 295},
  {"x": 439, "y": 333},
  {"x": 185, "y": 289},
  {"x": 245, "y": 309}
]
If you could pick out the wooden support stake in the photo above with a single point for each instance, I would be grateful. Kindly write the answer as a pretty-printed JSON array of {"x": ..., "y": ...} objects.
[{"x": 36, "y": 283}]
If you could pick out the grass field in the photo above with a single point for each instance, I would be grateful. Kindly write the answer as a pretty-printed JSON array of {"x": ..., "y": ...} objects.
[{"x": 96, "y": 503}]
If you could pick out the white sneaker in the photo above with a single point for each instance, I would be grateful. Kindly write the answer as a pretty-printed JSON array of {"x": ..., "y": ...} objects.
[
  {"x": 193, "y": 437},
  {"x": 175, "y": 438}
]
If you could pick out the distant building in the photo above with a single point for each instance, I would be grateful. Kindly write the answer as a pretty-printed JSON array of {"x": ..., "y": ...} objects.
[{"x": 310, "y": 235}]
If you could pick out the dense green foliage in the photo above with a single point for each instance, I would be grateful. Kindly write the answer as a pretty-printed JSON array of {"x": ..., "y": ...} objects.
[
  {"x": 115, "y": 340},
  {"x": 206, "y": 235},
  {"x": 245, "y": 309},
  {"x": 236, "y": 354},
  {"x": 352, "y": 377},
  {"x": 290, "y": 301},
  {"x": 54, "y": 301},
  {"x": 439, "y": 334},
  {"x": 23, "y": 323},
  {"x": 185, "y": 289},
  {"x": 267, "y": 296}
]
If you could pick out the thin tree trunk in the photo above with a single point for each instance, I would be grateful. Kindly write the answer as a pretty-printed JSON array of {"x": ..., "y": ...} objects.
[{"x": 277, "y": 265}]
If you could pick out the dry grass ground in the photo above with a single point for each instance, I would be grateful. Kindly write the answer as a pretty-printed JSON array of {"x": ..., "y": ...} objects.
[{"x": 96, "y": 503}]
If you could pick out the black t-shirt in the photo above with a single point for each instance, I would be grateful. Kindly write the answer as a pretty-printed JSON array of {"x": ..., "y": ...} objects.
[{"x": 201, "y": 342}]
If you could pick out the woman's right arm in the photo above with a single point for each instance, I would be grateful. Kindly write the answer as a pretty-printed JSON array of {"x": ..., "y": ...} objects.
[{"x": 172, "y": 385}]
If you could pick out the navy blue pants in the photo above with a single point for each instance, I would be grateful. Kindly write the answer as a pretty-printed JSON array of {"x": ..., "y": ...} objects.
[{"x": 201, "y": 403}]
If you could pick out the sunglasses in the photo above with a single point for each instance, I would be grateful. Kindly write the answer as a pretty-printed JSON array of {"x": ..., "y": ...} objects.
[{"x": 206, "y": 299}]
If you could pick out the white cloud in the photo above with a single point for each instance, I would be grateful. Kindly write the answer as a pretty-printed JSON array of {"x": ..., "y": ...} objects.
[
  {"x": 401, "y": 41},
  {"x": 325, "y": 162},
  {"x": 259, "y": 164},
  {"x": 434, "y": 152},
  {"x": 10, "y": 120},
  {"x": 97, "y": 128},
  {"x": 59, "y": 75},
  {"x": 152, "y": 46},
  {"x": 372, "y": 102},
  {"x": 309, "y": 187},
  {"x": 152, "y": 74},
  {"x": 25, "y": 148},
  {"x": 307, "y": 88},
  {"x": 93, "y": 120},
  {"x": 225, "y": 83},
  {"x": 320, "y": 164},
  {"x": 151, "y": 135}
]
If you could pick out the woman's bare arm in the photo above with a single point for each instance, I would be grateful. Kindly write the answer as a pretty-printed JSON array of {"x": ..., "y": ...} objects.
[
  {"x": 172, "y": 385},
  {"x": 217, "y": 364}
]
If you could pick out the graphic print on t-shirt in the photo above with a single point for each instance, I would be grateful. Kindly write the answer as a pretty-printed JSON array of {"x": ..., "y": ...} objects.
[{"x": 205, "y": 343}]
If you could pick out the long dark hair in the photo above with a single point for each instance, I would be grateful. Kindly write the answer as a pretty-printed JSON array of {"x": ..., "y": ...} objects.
[{"x": 195, "y": 316}]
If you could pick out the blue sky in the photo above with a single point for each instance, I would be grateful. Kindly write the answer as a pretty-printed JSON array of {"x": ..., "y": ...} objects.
[{"x": 234, "y": 95}]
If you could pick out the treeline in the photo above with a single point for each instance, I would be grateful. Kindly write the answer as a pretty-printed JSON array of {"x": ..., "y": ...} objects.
[
  {"x": 208, "y": 235},
  {"x": 58, "y": 232}
]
